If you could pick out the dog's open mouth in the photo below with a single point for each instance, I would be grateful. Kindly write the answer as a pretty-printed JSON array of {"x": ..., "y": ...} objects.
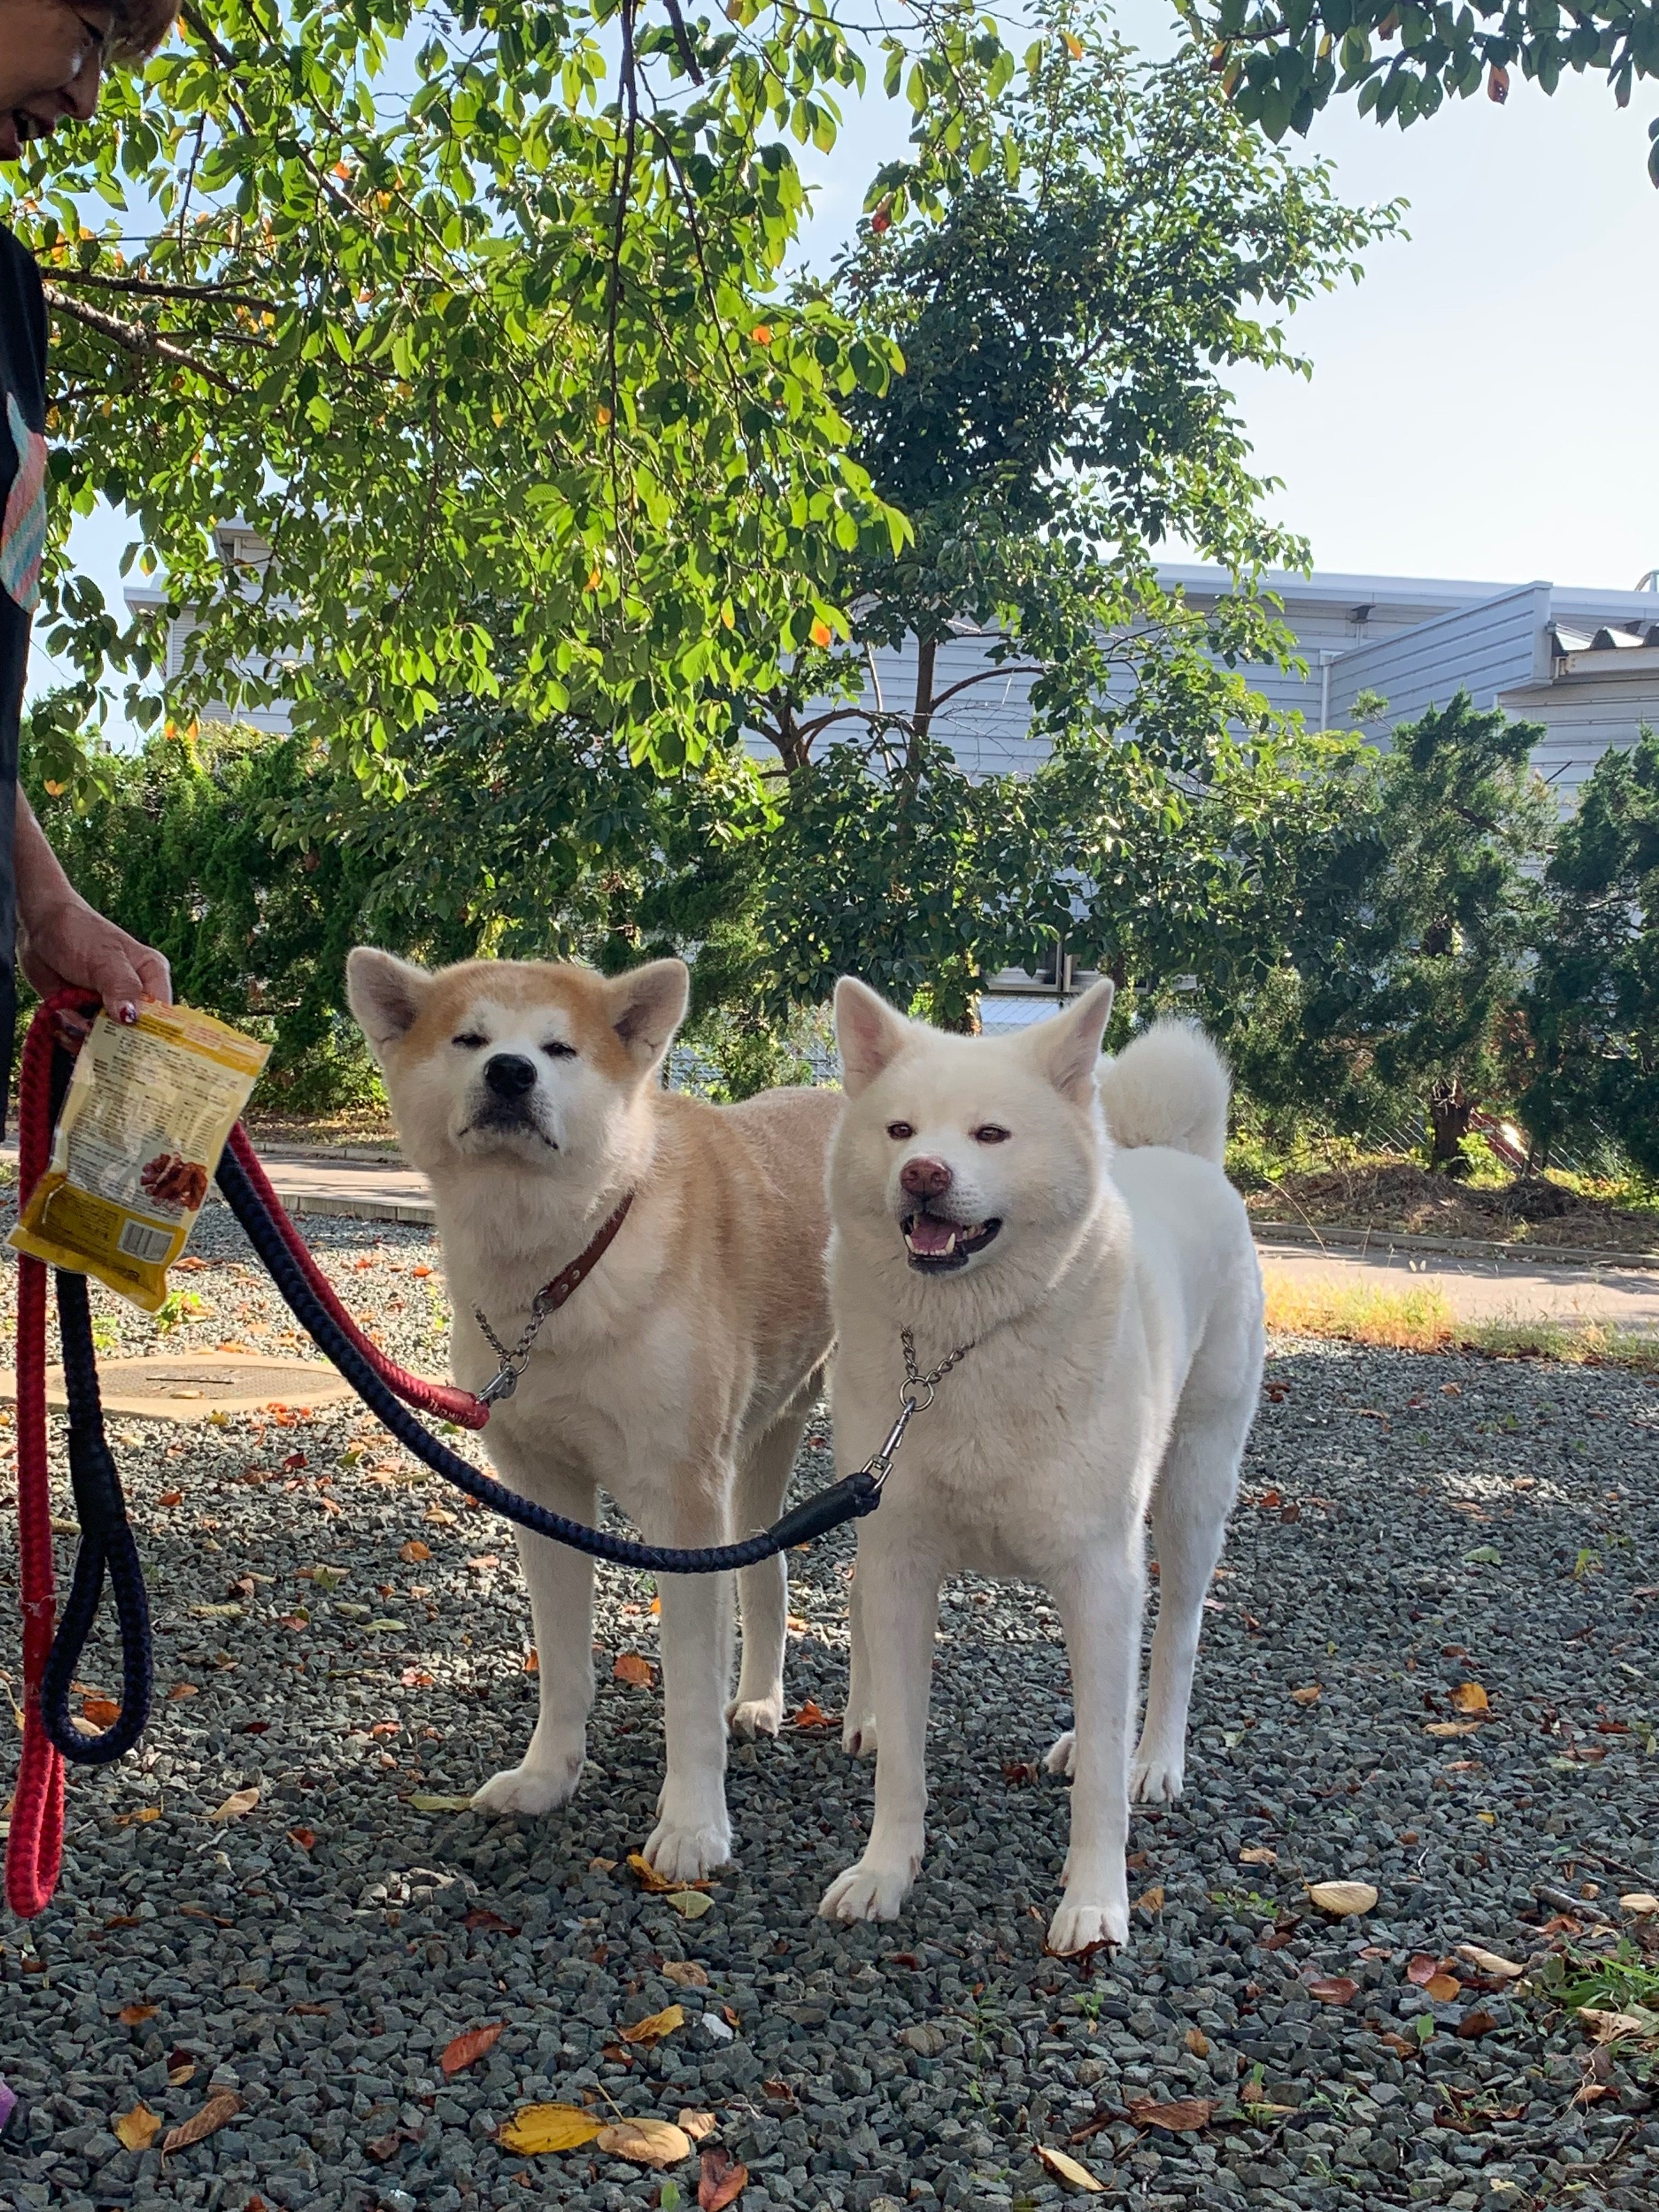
[{"x": 936, "y": 1245}]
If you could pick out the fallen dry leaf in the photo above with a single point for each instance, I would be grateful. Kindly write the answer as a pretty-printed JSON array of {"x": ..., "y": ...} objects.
[
  {"x": 1197, "y": 2042},
  {"x": 691, "y": 1904},
  {"x": 1334, "y": 1989},
  {"x": 102, "y": 1713},
  {"x": 1641, "y": 1902},
  {"x": 1444, "y": 1989},
  {"x": 1152, "y": 1900},
  {"x": 1342, "y": 1898},
  {"x": 1503, "y": 1970},
  {"x": 305, "y": 1838},
  {"x": 537, "y": 2128},
  {"x": 1421, "y": 1969},
  {"x": 685, "y": 1974},
  {"x": 649, "y": 1879},
  {"x": 181, "y": 2068},
  {"x": 467, "y": 2049},
  {"x": 1470, "y": 1698},
  {"x": 696, "y": 2124},
  {"x": 1258, "y": 1855},
  {"x": 138, "y": 2129},
  {"x": 415, "y": 1549},
  {"x": 1308, "y": 1697},
  {"x": 1183, "y": 2115},
  {"x": 430, "y": 1801},
  {"x": 1068, "y": 2169},
  {"x": 653, "y": 2029},
  {"x": 630, "y": 1667},
  {"x": 1400, "y": 2046},
  {"x": 533, "y": 1660},
  {"x": 1476, "y": 2023},
  {"x": 171, "y": 1497},
  {"x": 1610, "y": 2026},
  {"x": 1450, "y": 1728},
  {"x": 212, "y": 2116},
  {"x": 237, "y": 1806},
  {"x": 183, "y": 1690},
  {"x": 645, "y": 2142},
  {"x": 722, "y": 2180},
  {"x": 141, "y": 1816},
  {"x": 812, "y": 1715}
]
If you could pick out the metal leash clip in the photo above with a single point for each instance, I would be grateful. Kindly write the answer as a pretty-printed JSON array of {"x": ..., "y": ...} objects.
[{"x": 880, "y": 1463}]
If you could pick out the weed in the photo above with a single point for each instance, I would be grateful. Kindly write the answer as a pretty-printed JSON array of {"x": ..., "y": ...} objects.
[{"x": 1420, "y": 1319}]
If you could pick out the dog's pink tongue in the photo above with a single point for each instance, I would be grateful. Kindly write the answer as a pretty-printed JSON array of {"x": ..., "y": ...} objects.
[{"x": 929, "y": 1234}]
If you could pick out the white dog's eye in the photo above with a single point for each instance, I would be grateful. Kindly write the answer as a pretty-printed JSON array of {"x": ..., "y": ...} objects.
[
  {"x": 556, "y": 1049},
  {"x": 991, "y": 1134},
  {"x": 899, "y": 1131},
  {"x": 470, "y": 1041}
]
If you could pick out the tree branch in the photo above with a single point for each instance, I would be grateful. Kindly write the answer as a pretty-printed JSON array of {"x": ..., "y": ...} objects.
[{"x": 133, "y": 337}]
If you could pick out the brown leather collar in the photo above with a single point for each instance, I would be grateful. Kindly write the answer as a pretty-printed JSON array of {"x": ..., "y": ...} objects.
[{"x": 550, "y": 1297}]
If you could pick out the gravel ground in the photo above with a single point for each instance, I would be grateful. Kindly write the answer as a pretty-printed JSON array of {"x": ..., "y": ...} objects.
[{"x": 1412, "y": 1523}]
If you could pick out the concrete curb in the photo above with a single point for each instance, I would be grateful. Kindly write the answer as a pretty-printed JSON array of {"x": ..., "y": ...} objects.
[{"x": 1380, "y": 1244}]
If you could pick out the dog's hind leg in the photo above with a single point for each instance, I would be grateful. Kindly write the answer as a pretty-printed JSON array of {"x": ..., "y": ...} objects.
[
  {"x": 1196, "y": 1487},
  {"x": 764, "y": 1591},
  {"x": 561, "y": 1584}
]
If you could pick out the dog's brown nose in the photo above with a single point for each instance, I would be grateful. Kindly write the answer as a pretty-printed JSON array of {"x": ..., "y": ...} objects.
[{"x": 925, "y": 1178}]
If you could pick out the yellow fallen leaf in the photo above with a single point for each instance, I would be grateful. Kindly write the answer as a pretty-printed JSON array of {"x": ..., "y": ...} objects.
[
  {"x": 1341, "y": 1899},
  {"x": 138, "y": 2129},
  {"x": 1450, "y": 1728},
  {"x": 691, "y": 1903},
  {"x": 1470, "y": 1698},
  {"x": 237, "y": 1805},
  {"x": 696, "y": 2124},
  {"x": 1489, "y": 1962},
  {"x": 1609, "y": 2027},
  {"x": 1152, "y": 1900},
  {"x": 537, "y": 2128},
  {"x": 1067, "y": 2169},
  {"x": 657, "y": 1884},
  {"x": 653, "y": 2029},
  {"x": 645, "y": 2142},
  {"x": 1640, "y": 1902}
]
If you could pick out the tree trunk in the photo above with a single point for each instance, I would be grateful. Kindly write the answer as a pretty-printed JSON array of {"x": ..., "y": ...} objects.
[{"x": 1450, "y": 1110}]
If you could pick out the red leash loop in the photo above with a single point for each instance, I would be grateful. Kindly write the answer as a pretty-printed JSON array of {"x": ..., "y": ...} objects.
[
  {"x": 34, "y": 1848},
  {"x": 442, "y": 1399}
]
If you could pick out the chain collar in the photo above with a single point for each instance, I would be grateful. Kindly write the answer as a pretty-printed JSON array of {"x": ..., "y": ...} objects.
[
  {"x": 547, "y": 1300},
  {"x": 880, "y": 1463}
]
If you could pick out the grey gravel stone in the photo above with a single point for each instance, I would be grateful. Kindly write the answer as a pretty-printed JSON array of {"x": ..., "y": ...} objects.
[{"x": 318, "y": 1955}]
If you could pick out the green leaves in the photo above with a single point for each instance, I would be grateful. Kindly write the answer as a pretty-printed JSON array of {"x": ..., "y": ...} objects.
[
  {"x": 449, "y": 310},
  {"x": 1280, "y": 65}
]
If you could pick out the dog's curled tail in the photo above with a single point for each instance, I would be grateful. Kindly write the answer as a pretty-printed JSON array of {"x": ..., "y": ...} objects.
[{"x": 1169, "y": 1086}]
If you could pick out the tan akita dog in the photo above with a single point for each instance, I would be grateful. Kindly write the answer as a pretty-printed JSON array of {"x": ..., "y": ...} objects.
[{"x": 680, "y": 1374}]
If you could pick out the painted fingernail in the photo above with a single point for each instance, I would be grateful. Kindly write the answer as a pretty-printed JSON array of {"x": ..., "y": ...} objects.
[{"x": 127, "y": 1012}]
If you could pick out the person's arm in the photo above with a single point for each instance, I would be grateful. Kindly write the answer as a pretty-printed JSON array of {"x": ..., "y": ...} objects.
[{"x": 62, "y": 940}]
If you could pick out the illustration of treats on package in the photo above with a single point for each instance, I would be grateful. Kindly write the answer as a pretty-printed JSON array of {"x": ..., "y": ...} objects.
[{"x": 147, "y": 1115}]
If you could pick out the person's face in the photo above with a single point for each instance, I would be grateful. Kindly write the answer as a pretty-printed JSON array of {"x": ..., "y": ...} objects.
[{"x": 52, "y": 63}]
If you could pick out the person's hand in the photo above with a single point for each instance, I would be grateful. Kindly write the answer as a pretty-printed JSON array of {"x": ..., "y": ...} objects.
[{"x": 71, "y": 944}]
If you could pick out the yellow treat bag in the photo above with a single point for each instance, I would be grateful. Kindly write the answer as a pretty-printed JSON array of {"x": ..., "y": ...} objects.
[{"x": 148, "y": 1112}]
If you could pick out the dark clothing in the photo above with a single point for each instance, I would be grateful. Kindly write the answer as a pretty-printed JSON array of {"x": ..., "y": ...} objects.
[{"x": 23, "y": 542}]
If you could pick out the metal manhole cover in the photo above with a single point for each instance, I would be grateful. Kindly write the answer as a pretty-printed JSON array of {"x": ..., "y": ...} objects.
[{"x": 183, "y": 1388}]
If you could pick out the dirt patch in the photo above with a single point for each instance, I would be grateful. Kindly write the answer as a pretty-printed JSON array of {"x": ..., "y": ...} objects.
[{"x": 1402, "y": 1199}]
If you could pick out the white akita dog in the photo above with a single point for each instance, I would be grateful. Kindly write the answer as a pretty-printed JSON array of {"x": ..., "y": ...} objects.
[
  {"x": 1111, "y": 1304},
  {"x": 680, "y": 1375}
]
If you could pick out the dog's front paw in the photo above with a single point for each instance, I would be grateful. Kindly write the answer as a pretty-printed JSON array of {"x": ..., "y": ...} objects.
[
  {"x": 687, "y": 1850},
  {"x": 753, "y": 1717},
  {"x": 1078, "y": 1926},
  {"x": 538, "y": 1788},
  {"x": 1062, "y": 1753},
  {"x": 868, "y": 1892},
  {"x": 1155, "y": 1775},
  {"x": 858, "y": 1738}
]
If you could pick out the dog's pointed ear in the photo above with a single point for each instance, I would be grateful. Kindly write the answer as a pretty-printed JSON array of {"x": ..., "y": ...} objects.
[
  {"x": 647, "y": 1004},
  {"x": 869, "y": 1032},
  {"x": 1067, "y": 1047},
  {"x": 386, "y": 994}
]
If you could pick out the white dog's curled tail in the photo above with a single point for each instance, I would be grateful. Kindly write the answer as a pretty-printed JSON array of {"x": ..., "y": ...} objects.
[{"x": 1169, "y": 1086}]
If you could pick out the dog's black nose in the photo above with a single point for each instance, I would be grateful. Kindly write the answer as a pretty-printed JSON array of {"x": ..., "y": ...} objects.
[{"x": 509, "y": 1074}]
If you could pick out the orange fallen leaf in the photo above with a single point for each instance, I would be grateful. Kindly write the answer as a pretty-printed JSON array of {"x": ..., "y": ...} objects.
[
  {"x": 1470, "y": 1698},
  {"x": 1197, "y": 2042},
  {"x": 306, "y": 1837},
  {"x": 1334, "y": 1989},
  {"x": 1476, "y": 2023},
  {"x": 812, "y": 1715},
  {"x": 657, "y": 1884},
  {"x": 212, "y": 2116},
  {"x": 415, "y": 1549},
  {"x": 659, "y": 2024},
  {"x": 171, "y": 1497},
  {"x": 722, "y": 2180},
  {"x": 1308, "y": 1697},
  {"x": 129, "y": 2015},
  {"x": 532, "y": 1663},
  {"x": 1450, "y": 1728},
  {"x": 102, "y": 1713},
  {"x": 467, "y": 2049},
  {"x": 630, "y": 1667},
  {"x": 1152, "y": 1900},
  {"x": 419, "y": 1272},
  {"x": 1445, "y": 1989},
  {"x": 138, "y": 2129}
]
